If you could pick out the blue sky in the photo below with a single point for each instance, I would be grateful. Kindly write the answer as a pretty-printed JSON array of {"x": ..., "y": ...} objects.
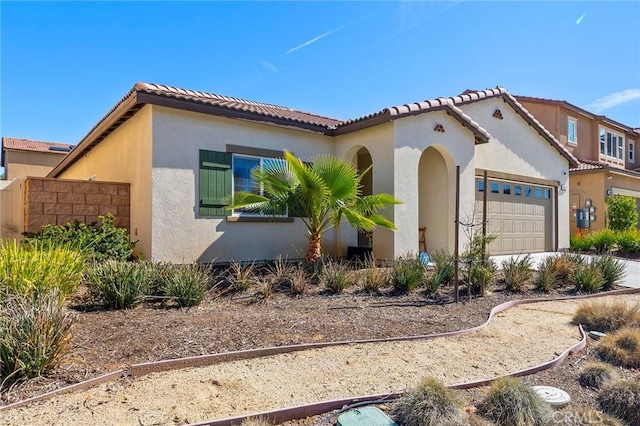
[{"x": 64, "y": 65}]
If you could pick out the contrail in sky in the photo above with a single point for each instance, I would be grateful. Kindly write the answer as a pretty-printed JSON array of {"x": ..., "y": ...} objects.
[
  {"x": 313, "y": 40},
  {"x": 581, "y": 18}
]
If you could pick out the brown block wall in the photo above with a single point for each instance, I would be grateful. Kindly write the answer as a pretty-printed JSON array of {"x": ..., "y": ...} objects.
[{"x": 50, "y": 201}]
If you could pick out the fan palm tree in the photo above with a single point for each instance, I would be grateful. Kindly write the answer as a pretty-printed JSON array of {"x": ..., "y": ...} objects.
[{"x": 321, "y": 192}]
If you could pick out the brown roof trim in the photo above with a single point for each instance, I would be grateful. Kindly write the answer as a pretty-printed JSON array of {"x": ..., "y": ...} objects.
[
  {"x": 470, "y": 97},
  {"x": 121, "y": 112}
]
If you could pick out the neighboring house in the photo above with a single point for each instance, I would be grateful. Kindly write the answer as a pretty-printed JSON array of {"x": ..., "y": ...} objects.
[
  {"x": 184, "y": 151},
  {"x": 24, "y": 157},
  {"x": 606, "y": 149}
]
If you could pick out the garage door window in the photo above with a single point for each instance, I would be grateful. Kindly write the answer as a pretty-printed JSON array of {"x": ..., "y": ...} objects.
[
  {"x": 547, "y": 194},
  {"x": 517, "y": 190},
  {"x": 495, "y": 188},
  {"x": 527, "y": 191},
  {"x": 506, "y": 189}
]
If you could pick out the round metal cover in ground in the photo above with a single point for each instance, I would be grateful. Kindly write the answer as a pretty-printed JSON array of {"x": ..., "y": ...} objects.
[{"x": 554, "y": 396}]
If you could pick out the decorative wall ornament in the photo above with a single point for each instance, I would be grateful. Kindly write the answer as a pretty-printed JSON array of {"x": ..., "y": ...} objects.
[
  {"x": 439, "y": 128},
  {"x": 498, "y": 114}
]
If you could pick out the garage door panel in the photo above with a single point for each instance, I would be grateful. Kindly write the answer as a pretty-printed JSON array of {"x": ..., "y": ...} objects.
[{"x": 523, "y": 224}]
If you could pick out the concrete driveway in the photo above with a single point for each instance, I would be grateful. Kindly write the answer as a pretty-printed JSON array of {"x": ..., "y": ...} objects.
[{"x": 632, "y": 267}]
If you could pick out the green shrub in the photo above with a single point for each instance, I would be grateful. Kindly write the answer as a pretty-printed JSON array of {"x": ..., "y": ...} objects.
[
  {"x": 621, "y": 400},
  {"x": 407, "y": 273},
  {"x": 547, "y": 278},
  {"x": 430, "y": 404},
  {"x": 607, "y": 316},
  {"x": 35, "y": 335},
  {"x": 511, "y": 402},
  {"x": 480, "y": 276},
  {"x": 32, "y": 269},
  {"x": 621, "y": 212},
  {"x": 444, "y": 267},
  {"x": 335, "y": 276},
  {"x": 120, "y": 285},
  {"x": 374, "y": 277},
  {"x": 97, "y": 242},
  {"x": 595, "y": 374},
  {"x": 621, "y": 348},
  {"x": 613, "y": 271},
  {"x": 581, "y": 243},
  {"x": 604, "y": 240},
  {"x": 185, "y": 284},
  {"x": 629, "y": 241},
  {"x": 587, "y": 278},
  {"x": 517, "y": 272}
]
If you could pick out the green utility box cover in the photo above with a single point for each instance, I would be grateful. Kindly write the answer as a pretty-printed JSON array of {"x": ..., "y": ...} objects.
[{"x": 365, "y": 416}]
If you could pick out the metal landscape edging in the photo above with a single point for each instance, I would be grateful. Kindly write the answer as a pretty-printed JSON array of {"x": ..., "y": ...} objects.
[{"x": 138, "y": 370}]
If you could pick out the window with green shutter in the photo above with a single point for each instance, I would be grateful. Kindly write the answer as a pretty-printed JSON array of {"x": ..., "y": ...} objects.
[{"x": 216, "y": 180}]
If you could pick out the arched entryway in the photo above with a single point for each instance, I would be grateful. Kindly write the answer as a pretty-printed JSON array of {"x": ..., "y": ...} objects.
[
  {"x": 435, "y": 196},
  {"x": 364, "y": 162}
]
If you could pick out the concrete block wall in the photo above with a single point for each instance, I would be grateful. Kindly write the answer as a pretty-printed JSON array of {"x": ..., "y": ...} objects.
[{"x": 61, "y": 201}]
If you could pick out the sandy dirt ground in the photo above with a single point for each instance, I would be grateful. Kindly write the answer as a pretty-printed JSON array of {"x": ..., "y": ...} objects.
[{"x": 516, "y": 339}]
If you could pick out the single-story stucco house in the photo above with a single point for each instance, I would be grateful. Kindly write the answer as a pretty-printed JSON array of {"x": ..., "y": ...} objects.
[{"x": 183, "y": 151}]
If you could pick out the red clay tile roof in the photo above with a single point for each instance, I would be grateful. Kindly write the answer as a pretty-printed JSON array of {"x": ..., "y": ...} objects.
[
  {"x": 589, "y": 165},
  {"x": 405, "y": 110},
  {"x": 258, "y": 108},
  {"x": 469, "y": 96},
  {"x": 20, "y": 144}
]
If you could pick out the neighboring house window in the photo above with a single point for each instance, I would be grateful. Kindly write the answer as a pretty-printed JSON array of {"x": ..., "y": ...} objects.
[
  {"x": 632, "y": 151},
  {"x": 611, "y": 144},
  {"x": 572, "y": 131}
]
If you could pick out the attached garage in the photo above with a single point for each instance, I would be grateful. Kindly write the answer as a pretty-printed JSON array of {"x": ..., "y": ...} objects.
[{"x": 521, "y": 215}]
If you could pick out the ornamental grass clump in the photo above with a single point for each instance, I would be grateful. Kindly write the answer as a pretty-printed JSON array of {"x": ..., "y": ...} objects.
[
  {"x": 547, "y": 278},
  {"x": 444, "y": 270},
  {"x": 622, "y": 400},
  {"x": 565, "y": 264},
  {"x": 607, "y": 316},
  {"x": 587, "y": 278},
  {"x": 612, "y": 271},
  {"x": 374, "y": 277},
  {"x": 595, "y": 374},
  {"x": 335, "y": 276},
  {"x": 510, "y": 401},
  {"x": 120, "y": 285},
  {"x": 430, "y": 404},
  {"x": 621, "y": 348},
  {"x": 30, "y": 269},
  {"x": 185, "y": 284},
  {"x": 241, "y": 276},
  {"x": 517, "y": 272},
  {"x": 407, "y": 273},
  {"x": 35, "y": 335}
]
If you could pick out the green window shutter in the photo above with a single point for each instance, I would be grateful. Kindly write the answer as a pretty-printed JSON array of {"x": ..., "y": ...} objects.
[{"x": 215, "y": 182}]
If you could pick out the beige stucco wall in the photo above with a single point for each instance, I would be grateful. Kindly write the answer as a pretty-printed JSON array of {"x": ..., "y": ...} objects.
[
  {"x": 20, "y": 164},
  {"x": 378, "y": 141},
  {"x": 125, "y": 156},
  {"x": 589, "y": 186},
  {"x": 11, "y": 209},
  {"x": 518, "y": 149},
  {"x": 179, "y": 233},
  {"x": 412, "y": 136}
]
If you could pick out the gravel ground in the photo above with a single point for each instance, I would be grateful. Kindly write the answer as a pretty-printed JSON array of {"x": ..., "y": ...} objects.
[{"x": 518, "y": 338}]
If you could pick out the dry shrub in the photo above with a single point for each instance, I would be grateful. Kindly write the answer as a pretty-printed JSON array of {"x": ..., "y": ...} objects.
[
  {"x": 242, "y": 276},
  {"x": 621, "y": 400},
  {"x": 595, "y": 374},
  {"x": 607, "y": 316},
  {"x": 298, "y": 281},
  {"x": 621, "y": 348},
  {"x": 564, "y": 264},
  {"x": 430, "y": 404},
  {"x": 511, "y": 402}
]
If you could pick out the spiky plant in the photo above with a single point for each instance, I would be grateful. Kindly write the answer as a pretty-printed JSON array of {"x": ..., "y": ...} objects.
[{"x": 430, "y": 404}]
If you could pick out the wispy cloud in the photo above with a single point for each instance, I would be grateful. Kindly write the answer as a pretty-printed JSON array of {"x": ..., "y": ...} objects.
[
  {"x": 581, "y": 18},
  {"x": 320, "y": 37},
  {"x": 268, "y": 65},
  {"x": 615, "y": 99}
]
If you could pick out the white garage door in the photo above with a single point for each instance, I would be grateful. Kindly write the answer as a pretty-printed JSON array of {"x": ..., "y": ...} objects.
[{"x": 520, "y": 214}]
